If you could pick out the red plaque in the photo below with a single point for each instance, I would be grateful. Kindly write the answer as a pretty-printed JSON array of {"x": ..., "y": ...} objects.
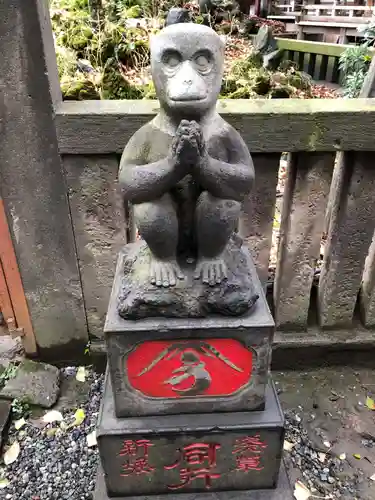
[{"x": 183, "y": 368}]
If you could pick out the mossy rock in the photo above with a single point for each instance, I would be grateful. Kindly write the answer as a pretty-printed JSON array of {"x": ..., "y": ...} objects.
[
  {"x": 79, "y": 90},
  {"x": 262, "y": 84},
  {"x": 282, "y": 92},
  {"x": 300, "y": 80},
  {"x": 115, "y": 86}
]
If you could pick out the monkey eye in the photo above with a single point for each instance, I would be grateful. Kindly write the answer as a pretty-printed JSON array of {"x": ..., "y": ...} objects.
[
  {"x": 171, "y": 58},
  {"x": 203, "y": 62}
]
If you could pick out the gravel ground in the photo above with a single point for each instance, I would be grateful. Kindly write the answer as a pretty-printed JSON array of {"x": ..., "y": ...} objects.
[
  {"x": 55, "y": 462},
  {"x": 330, "y": 438}
]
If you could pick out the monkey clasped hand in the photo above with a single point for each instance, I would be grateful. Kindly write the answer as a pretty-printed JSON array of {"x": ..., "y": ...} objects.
[
  {"x": 187, "y": 171},
  {"x": 188, "y": 144}
]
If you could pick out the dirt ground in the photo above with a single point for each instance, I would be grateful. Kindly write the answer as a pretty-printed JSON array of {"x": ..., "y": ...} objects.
[{"x": 330, "y": 430}]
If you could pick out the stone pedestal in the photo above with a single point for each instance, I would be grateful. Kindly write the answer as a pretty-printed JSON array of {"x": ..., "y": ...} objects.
[
  {"x": 188, "y": 408},
  {"x": 164, "y": 366},
  {"x": 172, "y": 454}
]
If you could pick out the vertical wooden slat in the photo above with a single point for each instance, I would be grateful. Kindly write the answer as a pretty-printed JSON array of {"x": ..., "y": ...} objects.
[
  {"x": 311, "y": 68},
  {"x": 301, "y": 57},
  {"x": 291, "y": 55},
  {"x": 14, "y": 284},
  {"x": 367, "y": 302},
  {"x": 330, "y": 69},
  {"x": 323, "y": 68},
  {"x": 302, "y": 223},
  {"x": 258, "y": 211},
  {"x": 350, "y": 232},
  {"x": 336, "y": 71},
  {"x": 99, "y": 227}
]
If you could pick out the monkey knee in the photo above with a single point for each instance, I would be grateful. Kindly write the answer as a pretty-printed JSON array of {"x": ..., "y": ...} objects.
[
  {"x": 211, "y": 203},
  {"x": 152, "y": 211}
]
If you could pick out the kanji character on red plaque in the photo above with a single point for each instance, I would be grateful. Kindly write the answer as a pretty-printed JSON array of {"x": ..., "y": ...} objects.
[
  {"x": 196, "y": 454},
  {"x": 248, "y": 451},
  {"x": 139, "y": 464}
]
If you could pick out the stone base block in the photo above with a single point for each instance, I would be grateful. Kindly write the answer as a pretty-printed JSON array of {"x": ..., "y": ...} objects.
[
  {"x": 190, "y": 297},
  {"x": 283, "y": 491},
  {"x": 190, "y": 453},
  {"x": 163, "y": 366}
]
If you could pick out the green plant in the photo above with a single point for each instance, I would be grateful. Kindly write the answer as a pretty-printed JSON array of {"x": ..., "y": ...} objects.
[
  {"x": 20, "y": 408},
  {"x": 355, "y": 62},
  {"x": 9, "y": 373}
]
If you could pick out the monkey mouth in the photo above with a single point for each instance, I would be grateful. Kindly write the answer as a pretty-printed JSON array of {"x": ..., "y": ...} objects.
[{"x": 188, "y": 99}]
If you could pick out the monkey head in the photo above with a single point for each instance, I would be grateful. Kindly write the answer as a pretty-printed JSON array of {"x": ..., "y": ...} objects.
[{"x": 187, "y": 62}]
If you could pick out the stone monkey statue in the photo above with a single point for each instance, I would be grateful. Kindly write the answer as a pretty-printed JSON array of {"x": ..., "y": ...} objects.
[{"x": 187, "y": 171}]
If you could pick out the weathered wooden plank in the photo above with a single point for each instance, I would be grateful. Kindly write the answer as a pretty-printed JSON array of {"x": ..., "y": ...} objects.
[
  {"x": 302, "y": 223},
  {"x": 350, "y": 232},
  {"x": 274, "y": 125},
  {"x": 258, "y": 211},
  {"x": 99, "y": 227}
]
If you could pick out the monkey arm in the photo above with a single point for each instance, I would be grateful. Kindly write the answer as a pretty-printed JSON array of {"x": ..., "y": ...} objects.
[
  {"x": 231, "y": 180},
  {"x": 141, "y": 181}
]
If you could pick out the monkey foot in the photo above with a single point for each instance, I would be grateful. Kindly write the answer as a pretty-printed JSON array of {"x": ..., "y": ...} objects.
[
  {"x": 211, "y": 271},
  {"x": 165, "y": 273}
]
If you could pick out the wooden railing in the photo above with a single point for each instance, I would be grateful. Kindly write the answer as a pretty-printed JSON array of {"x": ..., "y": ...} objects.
[
  {"x": 318, "y": 59},
  {"x": 326, "y": 9},
  {"x": 59, "y": 165},
  {"x": 358, "y": 13},
  {"x": 91, "y": 135}
]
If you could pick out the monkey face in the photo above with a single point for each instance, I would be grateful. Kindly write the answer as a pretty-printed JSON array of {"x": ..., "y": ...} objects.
[{"x": 187, "y": 67}]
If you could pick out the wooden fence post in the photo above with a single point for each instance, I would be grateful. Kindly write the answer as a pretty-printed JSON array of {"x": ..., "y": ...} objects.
[
  {"x": 367, "y": 296},
  {"x": 350, "y": 231},
  {"x": 32, "y": 181},
  {"x": 302, "y": 223}
]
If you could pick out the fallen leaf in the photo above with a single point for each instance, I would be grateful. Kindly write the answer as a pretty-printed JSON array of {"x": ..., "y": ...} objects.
[
  {"x": 63, "y": 426},
  {"x": 91, "y": 439},
  {"x": 342, "y": 456},
  {"x": 81, "y": 374},
  {"x": 4, "y": 483},
  {"x": 288, "y": 446},
  {"x": 327, "y": 444},
  {"x": 370, "y": 403},
  {"x": 18, "y": 424},
  {"x": 79, "y": 417},
  {"x": 372, "y": 477},
  {"x": 301, "y": 492},
  {"x": 52, "y": 416},
  {"x": 12, "y": 453},
  {"x": 51, "y": 432},
  {"x": 357, "y": 456},
  {"x": 322, "y": 457}
]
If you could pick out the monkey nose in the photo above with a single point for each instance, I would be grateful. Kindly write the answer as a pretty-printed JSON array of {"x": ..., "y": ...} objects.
[{"x": 188, "y": 82}]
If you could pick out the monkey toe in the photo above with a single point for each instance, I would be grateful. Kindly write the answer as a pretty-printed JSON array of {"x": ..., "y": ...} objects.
[
  {"x": 211, "y": 271},
  {"x": 164, "y": 273}
]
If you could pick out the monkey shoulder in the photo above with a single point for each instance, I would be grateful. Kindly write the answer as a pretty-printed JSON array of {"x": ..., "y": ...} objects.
[
  {"x": 224, "y": 139},
  {"x": 148, "y": 144}
]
